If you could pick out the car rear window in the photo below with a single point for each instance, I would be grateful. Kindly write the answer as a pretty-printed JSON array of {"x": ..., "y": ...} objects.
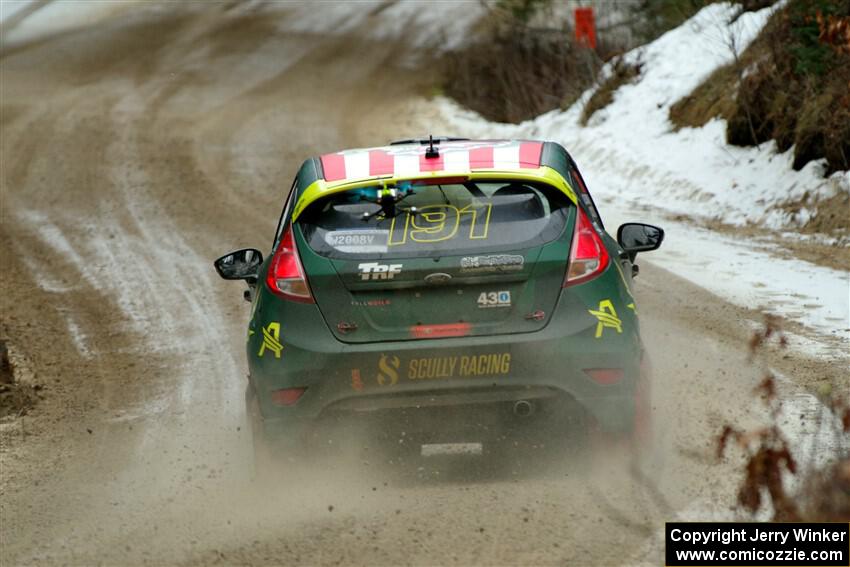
[{"x": 435, "y": 220}]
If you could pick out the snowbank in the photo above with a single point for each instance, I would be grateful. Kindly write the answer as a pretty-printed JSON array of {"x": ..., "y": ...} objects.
[
  {"x": 692, "y": 171},
  {"x": 638, "y": 168}
]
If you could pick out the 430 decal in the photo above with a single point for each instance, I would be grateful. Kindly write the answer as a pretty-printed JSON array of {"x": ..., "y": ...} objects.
[{"x": 436, "y": 223}]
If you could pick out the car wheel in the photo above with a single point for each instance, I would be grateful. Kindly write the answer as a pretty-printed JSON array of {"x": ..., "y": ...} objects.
[
  {"x": 642, "y": 436},
  {"x": 264, "y": 461}
]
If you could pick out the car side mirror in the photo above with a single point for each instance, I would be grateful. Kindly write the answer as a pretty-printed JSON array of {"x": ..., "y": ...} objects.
[
  {"x": 240, "y": 265},
  {"x": 637, "y": 237}
]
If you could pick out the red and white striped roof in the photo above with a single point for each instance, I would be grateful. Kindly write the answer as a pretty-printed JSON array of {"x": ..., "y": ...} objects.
[{"x": 409, "y": 159}]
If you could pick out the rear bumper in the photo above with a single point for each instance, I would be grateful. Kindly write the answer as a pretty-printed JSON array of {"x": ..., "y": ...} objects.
[
  {"x": 363, "y": 379},
  {"x": 405, "y": 420},
  {"x": 372, "y": 382}
]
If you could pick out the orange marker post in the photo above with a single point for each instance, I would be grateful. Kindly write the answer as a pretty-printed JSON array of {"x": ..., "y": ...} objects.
[{"x": 585, "y": 27}]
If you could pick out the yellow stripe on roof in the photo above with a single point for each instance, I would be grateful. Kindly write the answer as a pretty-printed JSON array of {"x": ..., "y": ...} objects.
[{"x": 321, "y": 188}]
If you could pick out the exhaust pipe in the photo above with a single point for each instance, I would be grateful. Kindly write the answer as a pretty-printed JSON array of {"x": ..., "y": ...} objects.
[{"x": 523, "y": 408}]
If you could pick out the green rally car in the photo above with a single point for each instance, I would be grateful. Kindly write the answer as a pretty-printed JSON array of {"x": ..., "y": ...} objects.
[{"x": 442, "y": 290}]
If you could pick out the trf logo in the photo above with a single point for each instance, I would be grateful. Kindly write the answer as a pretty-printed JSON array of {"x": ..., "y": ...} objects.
[{"x": 376, "y": 271}]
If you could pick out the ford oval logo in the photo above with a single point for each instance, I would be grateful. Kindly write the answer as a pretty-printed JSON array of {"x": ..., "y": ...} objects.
[{"x": 437, "y": 278}]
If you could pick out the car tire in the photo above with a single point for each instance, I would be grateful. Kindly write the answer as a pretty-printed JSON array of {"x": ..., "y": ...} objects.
[
  {"x": 264, "y": 462},
  {"x": 642, "y": 435}
]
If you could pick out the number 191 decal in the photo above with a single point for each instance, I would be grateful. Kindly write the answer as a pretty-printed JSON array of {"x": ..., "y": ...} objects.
[
  {"x": 494, "y": 299},
  {"x": 436, "y": 223}
]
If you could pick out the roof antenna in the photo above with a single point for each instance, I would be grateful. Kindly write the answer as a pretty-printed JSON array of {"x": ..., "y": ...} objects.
[{"x": 431, "y": 152}]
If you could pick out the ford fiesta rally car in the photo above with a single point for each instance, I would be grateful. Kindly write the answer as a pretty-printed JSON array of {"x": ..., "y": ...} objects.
[{"x": 442, "y": 290}]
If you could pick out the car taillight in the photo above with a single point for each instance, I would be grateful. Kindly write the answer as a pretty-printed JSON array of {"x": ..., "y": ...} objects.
[
  {"x": 287, "y": 396},
  {"x": 605, "y": 376},
  {"x": 286, "y": 276},
  {"x": 588, "y": 256}
]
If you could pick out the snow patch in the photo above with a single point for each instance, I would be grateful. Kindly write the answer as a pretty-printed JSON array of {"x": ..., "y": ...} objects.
[{"x": 639, "y": 169}]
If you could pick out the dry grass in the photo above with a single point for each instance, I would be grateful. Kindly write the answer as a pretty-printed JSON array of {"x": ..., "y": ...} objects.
[
  {"x": 715, "y": 98},
  {"x": 792, "y": 85},
  {"x": 517, "y": 74},
  {"x": 831, "y": 215},
  {"x": 525, "y": 63},
  {"x": 824, "y": 493}
]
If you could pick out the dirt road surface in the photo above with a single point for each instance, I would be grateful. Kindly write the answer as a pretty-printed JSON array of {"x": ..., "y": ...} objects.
[{"x": 133, "y": 154}]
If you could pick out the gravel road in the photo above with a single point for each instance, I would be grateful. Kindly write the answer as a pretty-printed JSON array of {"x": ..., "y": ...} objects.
[{"x": 133, "y": 154}]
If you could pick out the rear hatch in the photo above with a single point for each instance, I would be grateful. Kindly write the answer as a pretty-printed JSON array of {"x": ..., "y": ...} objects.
[{"x": 464, "y": 258}]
